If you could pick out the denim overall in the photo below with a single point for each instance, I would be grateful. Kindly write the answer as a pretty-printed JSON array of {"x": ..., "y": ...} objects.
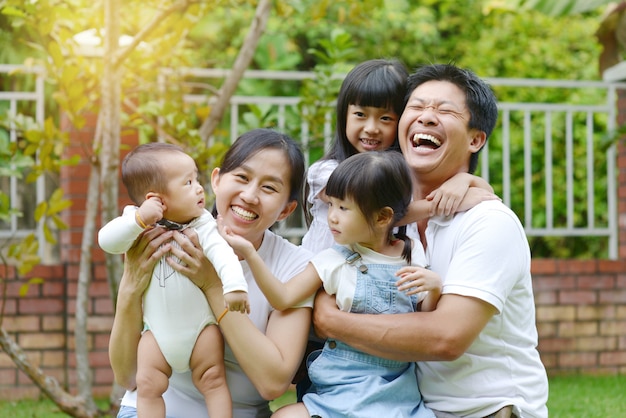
[{"x": 349, "y": 383}]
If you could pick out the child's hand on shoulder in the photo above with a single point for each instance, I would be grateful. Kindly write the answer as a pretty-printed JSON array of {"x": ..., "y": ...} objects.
[
  {"x": 414, "y": 279},
  {"x": 237, "y": 301},
  {"x": 459, "y": 193},
  {"x": 446, "y": 199},
  {"x": 474, "y": 196}
]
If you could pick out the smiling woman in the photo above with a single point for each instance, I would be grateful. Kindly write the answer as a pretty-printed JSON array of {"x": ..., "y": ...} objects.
[{"x": 257, "y": 184}]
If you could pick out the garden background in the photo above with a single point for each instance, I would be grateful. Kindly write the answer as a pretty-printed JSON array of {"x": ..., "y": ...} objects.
[{"x": 57, "y": 286}]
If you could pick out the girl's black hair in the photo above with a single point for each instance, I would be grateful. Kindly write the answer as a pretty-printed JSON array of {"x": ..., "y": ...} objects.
[
  {"x": 257, "y": 140},
  {"x": 375, "y": 180},
  {"x": 374, "y": 83}
]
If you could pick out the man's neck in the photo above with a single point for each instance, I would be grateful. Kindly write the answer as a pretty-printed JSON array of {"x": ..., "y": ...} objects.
[{"x": 423, "y": 189}]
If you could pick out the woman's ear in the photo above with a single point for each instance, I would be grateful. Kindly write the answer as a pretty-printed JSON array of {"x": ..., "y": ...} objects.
[
  {"x": 215, "y": 178},
  {"x": 287, "y": 210}
]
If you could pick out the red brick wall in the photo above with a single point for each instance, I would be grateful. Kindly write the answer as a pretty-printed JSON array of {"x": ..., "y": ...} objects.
[
  {"x": 581, "y": 304},
  {"x": 581, "y": 315}
]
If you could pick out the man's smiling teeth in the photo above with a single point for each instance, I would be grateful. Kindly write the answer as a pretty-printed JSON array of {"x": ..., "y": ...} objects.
[
  {"x": 425, "y": 139},
  {"x": 246, "y": 214}
]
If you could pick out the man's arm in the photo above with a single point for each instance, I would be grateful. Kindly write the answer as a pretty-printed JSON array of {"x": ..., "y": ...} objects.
[{"x": 442, "y": 334}]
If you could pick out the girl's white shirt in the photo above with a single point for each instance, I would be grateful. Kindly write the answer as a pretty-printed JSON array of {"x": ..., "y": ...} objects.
[{"x": 318, "y": 236}]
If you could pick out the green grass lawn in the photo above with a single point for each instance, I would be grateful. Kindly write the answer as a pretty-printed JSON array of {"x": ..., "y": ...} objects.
[
  {"x": 587, "y": 397},
  {"x": 570, "y": 397}
]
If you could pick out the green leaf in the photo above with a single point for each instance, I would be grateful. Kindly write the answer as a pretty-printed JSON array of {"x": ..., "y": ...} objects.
[
  {"x": 26, "y": 286},
  {"x": 12, "y": 11},
  {"x": 41, "y": 210},
  {"x": 559, "y": 8},
  {"x": 48, "y": 235},
  {"x": 55, "y": 53}
]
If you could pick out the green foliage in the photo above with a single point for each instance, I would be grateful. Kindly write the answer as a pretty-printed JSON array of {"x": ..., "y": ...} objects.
[
  {"x": 37, "y": 152},
  {"x": 12, "y": 164},
  {"x": 318, "y": 94},
  {"x": 500, "y": 42},
  {"x": 559, "y": 7},
  {"x": 513, "y": 39},
  {"x": 534, "y": 45}
]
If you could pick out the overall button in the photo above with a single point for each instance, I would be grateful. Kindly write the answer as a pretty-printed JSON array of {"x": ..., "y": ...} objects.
[{"x": 332, "y": 344}]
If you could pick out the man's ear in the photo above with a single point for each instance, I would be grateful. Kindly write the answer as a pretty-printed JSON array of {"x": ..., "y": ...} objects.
[
  {"x": 385, "y": 216},
  {"x": 287, "y": 210},
  {"x": 477, "y": 141}
]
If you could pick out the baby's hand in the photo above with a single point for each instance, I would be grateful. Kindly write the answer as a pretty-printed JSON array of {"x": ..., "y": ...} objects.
[
  {"x": 415, "y": 279},
  {"x": 237, "y": 301},
  {"x": 151, "y": 210},
  {"x": 242, "y": 247}
]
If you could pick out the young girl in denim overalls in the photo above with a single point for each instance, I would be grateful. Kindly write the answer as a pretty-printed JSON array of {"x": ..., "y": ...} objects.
[{"x": 369, "y": 270}]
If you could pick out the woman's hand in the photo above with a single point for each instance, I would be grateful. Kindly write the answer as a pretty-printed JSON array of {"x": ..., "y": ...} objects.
[
  {"x": 193, "y": 262},
  {"x": 141, "y": 258}
]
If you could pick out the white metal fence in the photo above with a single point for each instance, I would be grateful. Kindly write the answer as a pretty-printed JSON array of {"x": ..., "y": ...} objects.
[
  {"x": 23, "y": 198},
  {"x": 571, "y": 159},
  {"x": 566, "y": 188}
]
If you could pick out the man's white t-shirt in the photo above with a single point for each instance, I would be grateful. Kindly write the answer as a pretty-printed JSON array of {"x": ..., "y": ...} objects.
[
  {"x": 483, "y": 253},
  {"x": 182, "y": 399}
]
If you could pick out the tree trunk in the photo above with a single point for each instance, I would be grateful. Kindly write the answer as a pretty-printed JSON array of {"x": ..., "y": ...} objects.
[{"x": 83, "y": 370}]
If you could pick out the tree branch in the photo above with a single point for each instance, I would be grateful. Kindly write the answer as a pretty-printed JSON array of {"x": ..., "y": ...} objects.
[
  {"x": 152, "y": 25},
  {"x": 73, "y": 405},
  {"x": 241, "y": 63}
]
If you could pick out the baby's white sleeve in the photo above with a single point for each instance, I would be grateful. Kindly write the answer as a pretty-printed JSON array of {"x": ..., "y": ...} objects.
[{"x": 117, "y": 236}]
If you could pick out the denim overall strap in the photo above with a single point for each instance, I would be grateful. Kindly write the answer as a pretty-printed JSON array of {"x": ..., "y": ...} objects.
[
  {"x": 376, "y": 291},
  {"x": 352, "y": 257}
]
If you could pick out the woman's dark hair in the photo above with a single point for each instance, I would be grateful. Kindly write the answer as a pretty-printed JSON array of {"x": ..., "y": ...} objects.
[
  {"x": 256, "y": 140},
  {"x": 375, "y": 180},
  {"x": 479, "y": 98},
  {"x": 374, "y": 83}
]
